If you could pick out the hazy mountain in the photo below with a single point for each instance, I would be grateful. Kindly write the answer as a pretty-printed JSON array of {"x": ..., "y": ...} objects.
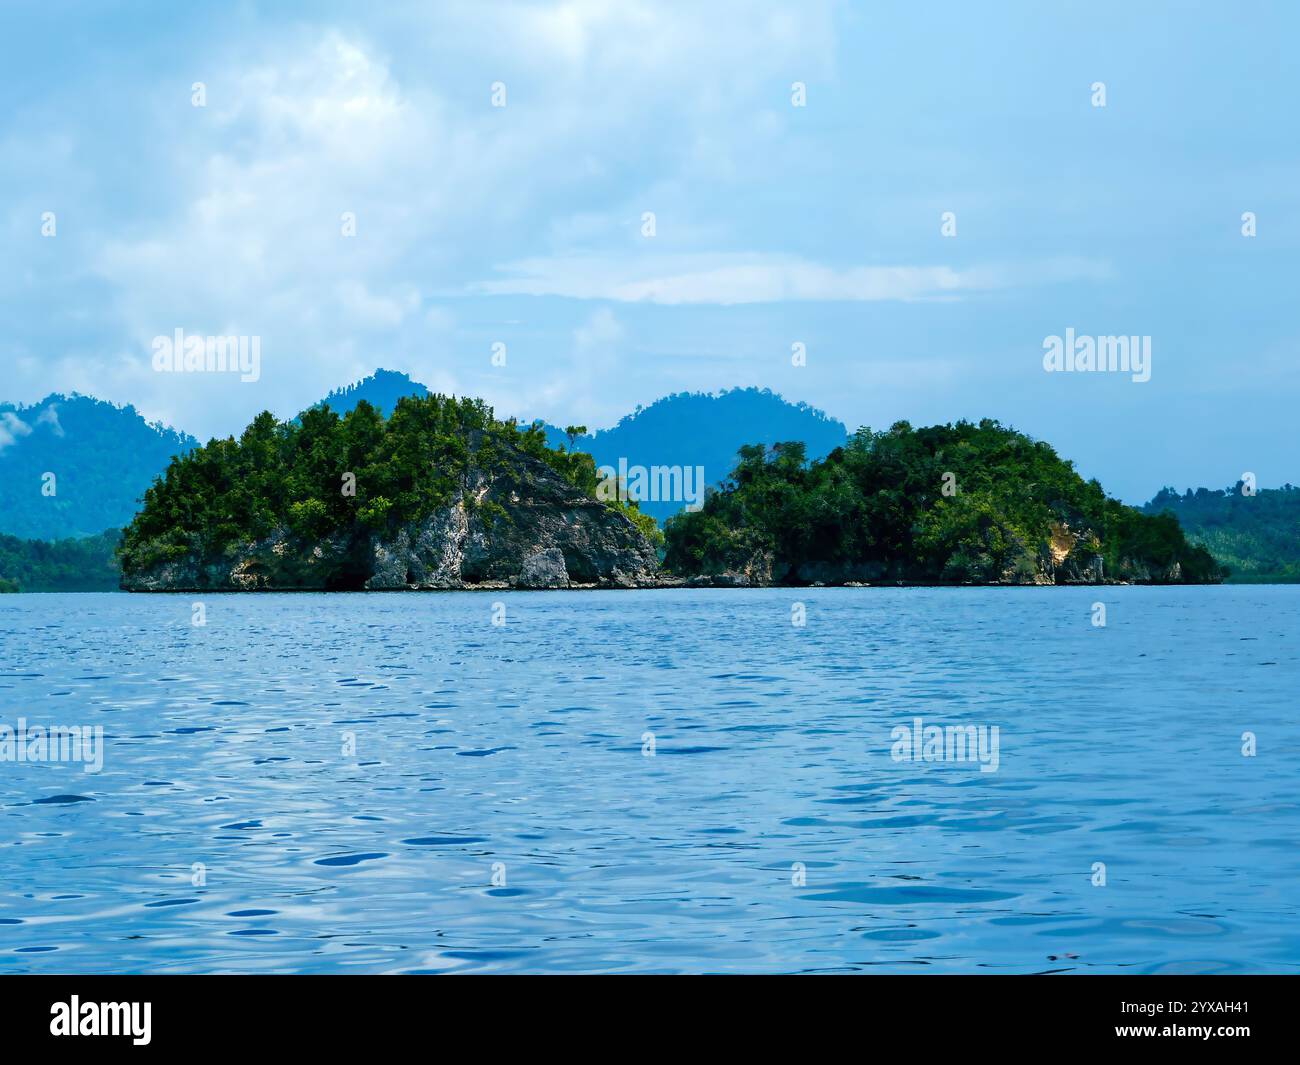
[
  {"x": 382, "y": 389},
  {"x": 102, "y": 458},
  {"x": 704, "y": 429}
]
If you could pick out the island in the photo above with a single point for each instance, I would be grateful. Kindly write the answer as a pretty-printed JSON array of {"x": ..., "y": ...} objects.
[
  {"x": 948, "y": 504},
  {"x": 439, "y": 495}
]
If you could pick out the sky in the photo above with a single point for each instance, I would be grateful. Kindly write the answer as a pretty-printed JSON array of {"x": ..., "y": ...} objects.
[{"x": 782, "y": 215}]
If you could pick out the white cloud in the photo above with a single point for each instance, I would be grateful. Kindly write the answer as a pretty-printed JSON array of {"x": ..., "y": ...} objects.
[
  {"x": 755, "y": 278},
  {"x": 600, "y": 333},
  {"x": 613, "y": 109},
  {"x": 608, "y": 102},
  {"x": 723, "y": 47},
  {"x": 376, "y": 311},
  {"x": 581, "y": 382},
  {"x": 12, "y": 428},
  {"x": 255, "y": 244},
  {"x": 50, "y": 416}
]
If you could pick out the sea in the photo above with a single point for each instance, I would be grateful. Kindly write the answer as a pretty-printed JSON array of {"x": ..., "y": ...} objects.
[{"x": 817, "y": 780}]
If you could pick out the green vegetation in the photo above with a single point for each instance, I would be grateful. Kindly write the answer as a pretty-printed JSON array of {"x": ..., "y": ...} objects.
[
  {"x": 1257, "y": 536},
  {"x": 231, "y": 492},
  {"x": 104, "y": 457},
  {"x": 1014, "y": 510},
  {"x": 72, "y": 565},
  {"x": 691, "y": 429}
]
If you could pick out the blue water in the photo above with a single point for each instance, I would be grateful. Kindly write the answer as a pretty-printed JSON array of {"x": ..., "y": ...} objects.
[{"x": 520, "y": 748}]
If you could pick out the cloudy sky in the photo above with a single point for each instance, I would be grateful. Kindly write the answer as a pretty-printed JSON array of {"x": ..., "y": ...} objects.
[{"x": 774, "y": 224}]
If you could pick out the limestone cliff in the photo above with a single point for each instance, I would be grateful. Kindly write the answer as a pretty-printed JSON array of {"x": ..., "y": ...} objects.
[{"x": 517, "y": 524}]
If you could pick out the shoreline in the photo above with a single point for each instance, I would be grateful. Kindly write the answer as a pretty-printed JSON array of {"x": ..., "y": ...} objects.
[{"x": 680, "y": 585}]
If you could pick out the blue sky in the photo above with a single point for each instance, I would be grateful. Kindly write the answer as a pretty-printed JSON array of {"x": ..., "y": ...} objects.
[{"x": 774, "y": 224}]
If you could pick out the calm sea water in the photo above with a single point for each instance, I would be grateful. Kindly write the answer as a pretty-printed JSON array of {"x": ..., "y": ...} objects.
[{"x": 500, "y": 812}]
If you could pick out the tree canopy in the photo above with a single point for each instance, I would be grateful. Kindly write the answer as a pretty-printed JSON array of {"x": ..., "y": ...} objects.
[
  {"x": 949, "y": 504},
  {"x": 1257, "y": 535},
  {"x": 293, "y": 474}
]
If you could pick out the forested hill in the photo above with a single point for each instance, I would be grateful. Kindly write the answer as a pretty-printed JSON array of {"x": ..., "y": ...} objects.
[
  {"x": 382, "y": 389},
  {"x": 955, "y": 504},
  {"x": 1257, "y": 536},
  {"x": 439, "y": 494},
  {"x": 81, "y": 565},
  {"x": 102, "y": 458},
  {"x": 703, "y": 429}
]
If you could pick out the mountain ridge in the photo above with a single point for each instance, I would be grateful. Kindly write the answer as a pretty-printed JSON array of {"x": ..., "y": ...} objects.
[
  {"x": 704, "y": 431},
  {"x": 74, "y": 465}
]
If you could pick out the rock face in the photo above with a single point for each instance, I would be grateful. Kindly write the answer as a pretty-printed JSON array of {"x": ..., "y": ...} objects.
[
  {"x": 1069, "y": 557},
  {"x": 544, "y": 569},
  {"x": 491, "y": 535}
]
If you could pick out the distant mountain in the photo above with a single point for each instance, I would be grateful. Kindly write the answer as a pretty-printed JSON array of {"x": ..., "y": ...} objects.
[
  {"x": 382, "y": 389},
  {"x": 102, "y": 458},
  {"x": 691, "y": 429},
  {"x": 1256, "y": 536}
]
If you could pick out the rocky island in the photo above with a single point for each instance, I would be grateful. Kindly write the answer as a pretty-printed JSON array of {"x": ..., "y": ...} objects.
[
  {"x": 441, "y": 495},
  {"x": 947, "y": 504},
  {"x": 438, "y": 496}
]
